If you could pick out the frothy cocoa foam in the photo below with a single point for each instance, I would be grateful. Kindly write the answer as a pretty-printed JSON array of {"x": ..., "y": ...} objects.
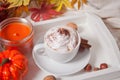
[{"x": 61, "y": 39}]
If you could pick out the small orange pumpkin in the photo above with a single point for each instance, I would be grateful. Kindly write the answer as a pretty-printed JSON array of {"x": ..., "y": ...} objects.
[{"x": 13, "y": 65}]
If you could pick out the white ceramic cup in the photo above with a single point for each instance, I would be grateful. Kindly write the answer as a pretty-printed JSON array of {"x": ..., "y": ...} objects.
[{"x": 45, "y": 50}]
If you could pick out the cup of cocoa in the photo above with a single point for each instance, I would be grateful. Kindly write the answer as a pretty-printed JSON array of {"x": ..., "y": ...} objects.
[{"x": 61, "y": 44}]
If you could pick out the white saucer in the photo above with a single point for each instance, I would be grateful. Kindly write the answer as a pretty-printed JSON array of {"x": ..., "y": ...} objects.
[{"x": 49, "y": 65}]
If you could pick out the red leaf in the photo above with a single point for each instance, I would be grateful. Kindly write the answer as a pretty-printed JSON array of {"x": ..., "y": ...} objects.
[
  {"x": 33, "y": 9},
  {"x": 35, "y": 17},
  {"x": 45, "y": 12},
  {"x": 45, "y": 16},
  {"x": 53, "y": 12}
]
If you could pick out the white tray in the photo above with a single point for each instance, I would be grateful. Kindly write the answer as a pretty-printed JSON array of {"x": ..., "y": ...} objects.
[{"x": 104, "y": 48}]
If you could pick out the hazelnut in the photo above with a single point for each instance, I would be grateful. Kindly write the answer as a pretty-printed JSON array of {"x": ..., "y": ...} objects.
[
  {"x": 49, "y": 77},
  {"x": 103, "y": 66},
  {"x": 72, "y": 25},
  {"x": 88, "y": 68},
  {"x": 96, "y": 68}
]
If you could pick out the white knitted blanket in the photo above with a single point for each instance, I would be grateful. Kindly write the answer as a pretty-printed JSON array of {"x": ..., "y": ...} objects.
[{"x": 109, "y": 11}]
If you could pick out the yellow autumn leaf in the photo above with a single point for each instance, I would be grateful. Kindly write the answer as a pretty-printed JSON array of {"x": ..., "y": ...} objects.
[
  {"x": 67, "y": 3},
  {"x": 59, "y": 6},
  {"x": 16, "y": 3},
  {"x": 60, "y": 3},
  {"x": 54, "y": 1}
]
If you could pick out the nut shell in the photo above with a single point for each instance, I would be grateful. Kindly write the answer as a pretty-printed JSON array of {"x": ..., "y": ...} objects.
[
  {"x": 88, "y": 68},
  {"x": 103, "y": 65},
  {"x": 96, "y": 68},
  {"x": 72, "y": 25},
  {"x": 49, "y": 77}
]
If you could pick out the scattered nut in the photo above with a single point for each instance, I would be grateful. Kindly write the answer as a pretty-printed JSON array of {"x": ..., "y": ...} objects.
[
  {"x": 96, "y": 68},
  {"x": 103, "y": 66},
  {"x": 88, "y": 68},
  {"x": 73, "y": 25},
  {"x": 49, "y": 77}
]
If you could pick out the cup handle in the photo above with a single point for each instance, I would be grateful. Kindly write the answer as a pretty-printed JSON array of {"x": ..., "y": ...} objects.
[{"x": 39, "y": 49}]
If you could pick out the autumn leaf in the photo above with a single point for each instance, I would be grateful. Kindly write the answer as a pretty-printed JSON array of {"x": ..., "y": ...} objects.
[
  {"x": 73, "y": 2},
  {"x": 19, "y": 10},
  {"x": 16, "y": 3},
  {"x": 3, "y": 10},
  {"x": 84, "y": 1},
  {"x": 4, "y": 5},
  {"x": 60, "y": 3},
  {"x": 41, "y": 1},
  {"x": 79, "y": 2},
  {"x": 1, "y": 0},
  {"x": 44, "y": 12}
]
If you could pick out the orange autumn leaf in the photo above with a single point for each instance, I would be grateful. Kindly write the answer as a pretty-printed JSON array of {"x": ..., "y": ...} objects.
[
  {"x": 19, "y": 10},
  {"x": 73, "y": 3},
  {"x": 78, "y": 2},
  {"x": 84, "y": 1}
]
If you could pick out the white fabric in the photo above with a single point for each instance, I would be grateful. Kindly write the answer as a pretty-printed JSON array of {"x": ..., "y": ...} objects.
[{"x": 109, "y": 11}]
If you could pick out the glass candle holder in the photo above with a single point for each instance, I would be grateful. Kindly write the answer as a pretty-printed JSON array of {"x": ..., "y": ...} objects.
[{"x": 16, "y": 33}]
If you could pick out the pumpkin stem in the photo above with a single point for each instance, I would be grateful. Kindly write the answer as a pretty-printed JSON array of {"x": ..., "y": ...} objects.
[{"x": 4, "y": 61}]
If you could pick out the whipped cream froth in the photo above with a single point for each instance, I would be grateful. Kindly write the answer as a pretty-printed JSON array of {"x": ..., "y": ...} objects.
[{"x": 61, "y": 39}]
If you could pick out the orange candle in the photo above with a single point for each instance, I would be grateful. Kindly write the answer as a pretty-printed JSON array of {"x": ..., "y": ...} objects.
[{"x": 17, "y": 33}]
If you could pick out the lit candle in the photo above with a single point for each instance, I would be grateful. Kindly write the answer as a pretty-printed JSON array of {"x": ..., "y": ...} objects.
[{"x": 17, "y": 33}]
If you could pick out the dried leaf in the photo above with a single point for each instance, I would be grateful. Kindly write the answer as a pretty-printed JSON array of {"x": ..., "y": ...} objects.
[
  {"x": 3, "y": 15},
  {"x": 41, "y": 1},
  {"x": 84, "y": 1},
  {"x": 60, "y": 3},
  {"x": 1, "y": 0},
  {"x": 73, "y": 2},
  {"x": 67, "y": 3},
  {"x": 79, "y": 4},
  {"x": 4, "y": 5},
  {"x": 45, "y": 12},
  {"x": 16, "y": 3},
  {"x": 19, "y": 10},
  {"x": 59, "y": 6}
]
